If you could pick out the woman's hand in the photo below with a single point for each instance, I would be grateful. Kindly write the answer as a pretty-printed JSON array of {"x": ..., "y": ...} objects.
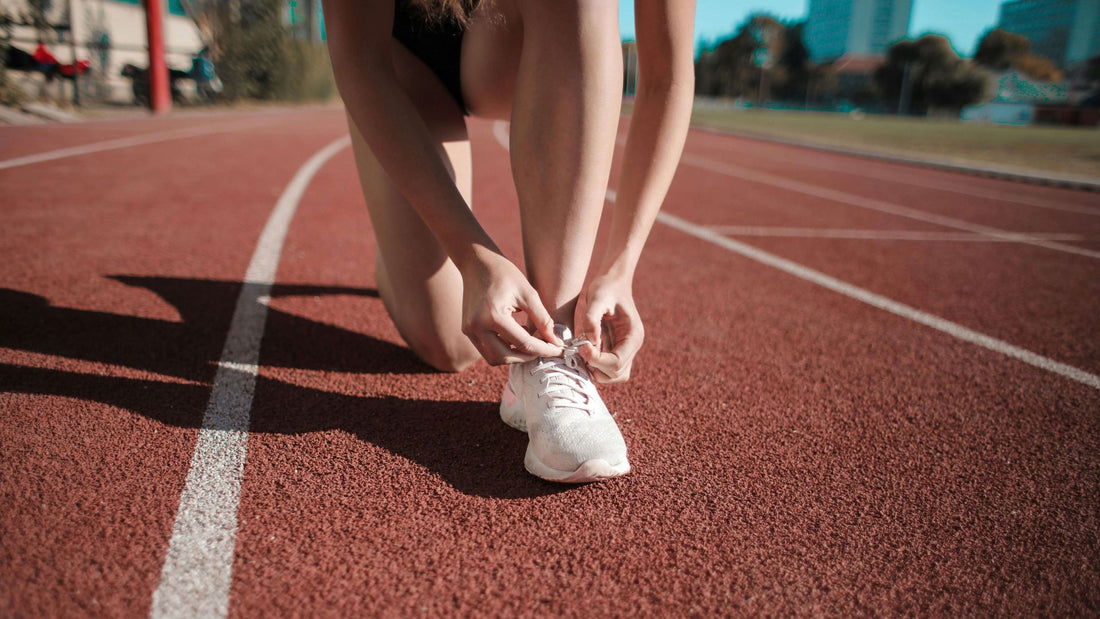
[
  {"x": 606, "y": 316},
  {"x": 493, "y": 291}
]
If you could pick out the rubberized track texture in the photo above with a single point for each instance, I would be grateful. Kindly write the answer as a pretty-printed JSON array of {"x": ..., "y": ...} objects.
[{"x": 866, "y": 389}]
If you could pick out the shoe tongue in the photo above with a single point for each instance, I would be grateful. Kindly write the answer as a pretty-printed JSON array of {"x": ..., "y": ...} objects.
[
  {"x": 565, "y": 388},
  {"x": 563, "y": 332}
]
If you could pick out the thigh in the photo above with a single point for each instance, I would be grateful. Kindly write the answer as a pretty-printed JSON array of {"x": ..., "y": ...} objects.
[
  {"x": 490, "y": 59},
  {"x": 421, "y": 287}
]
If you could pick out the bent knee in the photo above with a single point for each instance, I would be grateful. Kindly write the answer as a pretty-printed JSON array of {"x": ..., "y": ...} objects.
[{"x": 444, "y": 354}]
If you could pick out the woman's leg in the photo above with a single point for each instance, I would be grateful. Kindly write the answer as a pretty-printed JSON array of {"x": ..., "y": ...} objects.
[
  {"x": 419, "y": 285},
  {"x": 565, "y": 99}
]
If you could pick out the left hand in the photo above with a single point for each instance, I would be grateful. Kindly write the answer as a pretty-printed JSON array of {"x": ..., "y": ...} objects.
[{"x": 607, "y": 317}]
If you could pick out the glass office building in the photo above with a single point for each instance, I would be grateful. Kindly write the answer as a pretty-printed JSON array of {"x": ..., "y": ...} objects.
[
  {"x": 838, "y": 27},
  {"x": 1065, "y": 31}
]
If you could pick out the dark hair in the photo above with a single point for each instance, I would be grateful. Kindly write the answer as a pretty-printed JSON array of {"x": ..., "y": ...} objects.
[{"x": 455, "y": 11}]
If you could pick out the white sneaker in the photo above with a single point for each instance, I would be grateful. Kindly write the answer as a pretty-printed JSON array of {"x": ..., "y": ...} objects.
[{"x": 573, "y": 437}]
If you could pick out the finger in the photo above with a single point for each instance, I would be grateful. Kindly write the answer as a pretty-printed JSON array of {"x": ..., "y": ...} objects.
[
  {"x": 481, "y": 349},
  {"x": 540, "y": 318},
  {"x": 599, "y": 376},
  {"x": 496, "y": 352},
  {"x": 629, "y": 346},
  {"x": 606, "y": 377},
  {"x": 590, "y": 324},
  {"x": 523, "y": 343},
  {"x": 607, "y": 362}
]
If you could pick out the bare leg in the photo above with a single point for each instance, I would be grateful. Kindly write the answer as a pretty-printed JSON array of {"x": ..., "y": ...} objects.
[
  {"x": 420, "y": 286},
  {"x": 564, "y": 113}
]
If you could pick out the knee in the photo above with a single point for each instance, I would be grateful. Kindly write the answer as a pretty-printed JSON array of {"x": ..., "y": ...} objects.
[{"x": 453, "y": 354}]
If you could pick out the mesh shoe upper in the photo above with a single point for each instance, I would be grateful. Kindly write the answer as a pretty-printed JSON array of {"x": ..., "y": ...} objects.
[{"x": 566, "y": 419}]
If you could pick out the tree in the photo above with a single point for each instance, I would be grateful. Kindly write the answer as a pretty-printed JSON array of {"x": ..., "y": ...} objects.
[
  {"x": 1003, "y": 51},
  {"x": 999, "y": 50},
  {"x": 765, "y": 55},
  {"x": 795, "y": 63},
  {"x": 926, "y": 73},
  {"x": 255, "y": 53},
  {"x": 1039, "y": 68},
  {"x": 726, "y": 70}
]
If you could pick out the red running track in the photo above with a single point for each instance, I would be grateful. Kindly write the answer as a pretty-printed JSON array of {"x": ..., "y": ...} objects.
[{"x": 796, "y": 450}]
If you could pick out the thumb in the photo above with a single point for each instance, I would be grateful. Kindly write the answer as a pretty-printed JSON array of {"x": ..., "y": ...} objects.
[
  {"x": 540, "y": 318},
  {"x": 606, "y": 362},
  {"x": 589, "y": 324}
]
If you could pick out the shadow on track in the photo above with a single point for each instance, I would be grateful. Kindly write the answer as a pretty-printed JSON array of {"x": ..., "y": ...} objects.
[
  {"x": 465, "y": 443},
  {"x": 191, "y": 348}
]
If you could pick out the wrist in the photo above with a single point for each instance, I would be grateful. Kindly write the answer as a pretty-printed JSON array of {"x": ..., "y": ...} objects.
[
  {"x": 474, "y": 256},
  {"x": 621, "y": 270}
]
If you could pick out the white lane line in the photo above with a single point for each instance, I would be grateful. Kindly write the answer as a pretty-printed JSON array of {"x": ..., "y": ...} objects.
[
  {"x": 866, "y": 170},
  {"x": 875, "y": 205},
  {"x": 875, "y": 300},
  {"x": 886, "y": 235},
  {"x": 127, "y": 142},
  {"x": 881, "y": 302},
  {"x": 975, "y": 192},
  {"x": 196, "y": 576}
]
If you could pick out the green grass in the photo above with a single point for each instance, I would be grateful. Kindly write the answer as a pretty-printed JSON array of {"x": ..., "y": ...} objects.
[{"x": 1062, "y": 150}]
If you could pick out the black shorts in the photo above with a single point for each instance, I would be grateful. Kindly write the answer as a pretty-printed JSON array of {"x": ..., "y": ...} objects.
[{"x": 438, "y": 45}]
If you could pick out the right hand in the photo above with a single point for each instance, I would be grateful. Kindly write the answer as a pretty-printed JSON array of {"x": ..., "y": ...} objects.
[{"x": 493, "y": 291}]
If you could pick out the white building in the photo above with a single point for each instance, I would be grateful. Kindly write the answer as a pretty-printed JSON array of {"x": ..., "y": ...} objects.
[
  {"x": 109, "y": 33},
  {"x": 862, "y": 27}
]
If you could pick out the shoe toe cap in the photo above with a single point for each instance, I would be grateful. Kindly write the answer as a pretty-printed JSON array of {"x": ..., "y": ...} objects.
[{"x": 567, "y": 446}]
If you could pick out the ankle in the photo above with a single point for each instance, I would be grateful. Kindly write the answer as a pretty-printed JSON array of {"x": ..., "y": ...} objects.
[{"x": 564, "y": 313}]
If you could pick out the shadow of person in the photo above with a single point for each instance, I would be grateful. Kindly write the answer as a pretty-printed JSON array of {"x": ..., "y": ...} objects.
[
  {"x": 464, "y": 443},
  {"x": 191, "y": 347}
]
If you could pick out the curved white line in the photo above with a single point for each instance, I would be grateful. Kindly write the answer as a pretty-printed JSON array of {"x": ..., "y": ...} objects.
[{"x": 197, "y": 572}]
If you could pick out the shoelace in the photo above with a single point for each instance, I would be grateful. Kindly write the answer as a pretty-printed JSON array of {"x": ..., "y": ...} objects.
[{"x": 563, "y": 378}]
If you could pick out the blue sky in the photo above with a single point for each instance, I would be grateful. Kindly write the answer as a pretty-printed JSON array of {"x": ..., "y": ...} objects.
[{"x": 962, "y": 21}]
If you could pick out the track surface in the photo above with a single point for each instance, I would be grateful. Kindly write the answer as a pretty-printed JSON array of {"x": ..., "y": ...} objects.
[{"x": 796, "y": 450}]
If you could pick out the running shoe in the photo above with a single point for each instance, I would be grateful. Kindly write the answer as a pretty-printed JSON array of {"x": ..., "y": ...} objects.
[{"x": 573, "y": 438}]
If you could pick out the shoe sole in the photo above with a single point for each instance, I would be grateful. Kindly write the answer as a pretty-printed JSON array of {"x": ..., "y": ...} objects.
[
  {"x": 513, "y": 414},
  {"x": 588, "y": 471}
]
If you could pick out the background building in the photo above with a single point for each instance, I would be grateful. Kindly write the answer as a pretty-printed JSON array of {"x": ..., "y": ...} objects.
[
  {"x": 1064, "y": 31},
  {"x": 838, "y": 27},
  {"x": 110, "y": 34}
]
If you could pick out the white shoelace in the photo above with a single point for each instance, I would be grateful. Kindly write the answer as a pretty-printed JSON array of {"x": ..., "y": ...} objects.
[{"x": 563, "y": 378}]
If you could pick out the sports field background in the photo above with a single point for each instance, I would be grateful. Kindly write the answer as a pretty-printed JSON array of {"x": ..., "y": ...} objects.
[{"x": 1070, "y": 151}]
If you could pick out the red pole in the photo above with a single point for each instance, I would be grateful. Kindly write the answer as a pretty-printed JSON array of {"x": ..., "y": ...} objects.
[{"x": 160, "y": 97}]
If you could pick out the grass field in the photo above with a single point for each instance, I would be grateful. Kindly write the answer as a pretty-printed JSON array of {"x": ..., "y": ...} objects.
[{"x": 1066, "y": 151}]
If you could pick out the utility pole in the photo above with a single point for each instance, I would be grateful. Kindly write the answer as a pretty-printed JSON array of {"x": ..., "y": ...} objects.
[
  {"x": 72, "y": 49},
  {"x": 906, "y": 95},
  {"x": 160, "y": 96}
]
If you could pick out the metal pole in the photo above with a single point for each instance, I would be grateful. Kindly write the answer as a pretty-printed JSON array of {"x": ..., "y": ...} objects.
[
  {"x": 76, "y": 61},
  {"x": 906, "y": 89},
  {"x": 160, "y": 96}
]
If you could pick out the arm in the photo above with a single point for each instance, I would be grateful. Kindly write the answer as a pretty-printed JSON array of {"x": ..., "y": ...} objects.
[
  {"x": 662, "y": 112},
  {"x": 359, "y": 40}
]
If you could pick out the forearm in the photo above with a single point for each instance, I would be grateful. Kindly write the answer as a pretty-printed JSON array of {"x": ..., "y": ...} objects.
[
  {"x": 654, "y": 144},
  {"x": 401, "y": 142}
]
